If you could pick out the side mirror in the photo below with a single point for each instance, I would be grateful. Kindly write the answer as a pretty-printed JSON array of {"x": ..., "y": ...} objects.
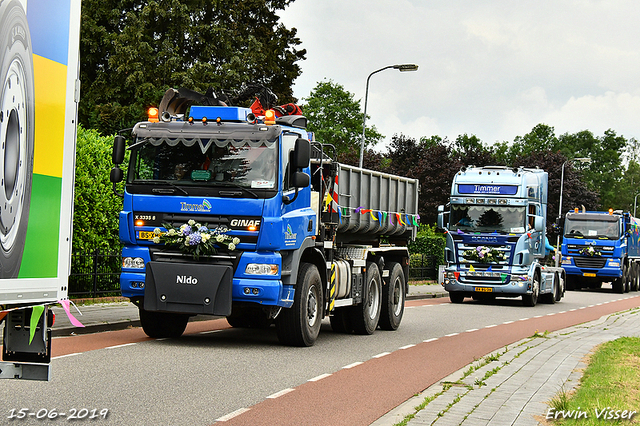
[
  {"x": 301, "y": 154},
  {"x": 300, "y": 180},
  {"x": 116, "y": 175},
  {"x": 538, "y": 223},
  {"x": 440, "y": 219},
  {"x": 119, "y": 147}
]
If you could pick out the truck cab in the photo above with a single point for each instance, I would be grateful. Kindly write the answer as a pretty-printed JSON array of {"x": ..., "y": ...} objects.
[
  {"x": 599, "y": 247},
  {"x": 495, "y": 227}
]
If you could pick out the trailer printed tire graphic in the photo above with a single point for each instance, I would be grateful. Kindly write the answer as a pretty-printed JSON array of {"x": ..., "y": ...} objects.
[{"x": 17, "y": 109}]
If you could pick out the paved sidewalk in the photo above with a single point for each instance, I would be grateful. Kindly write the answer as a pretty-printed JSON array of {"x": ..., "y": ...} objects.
[{"x": 512, "y": 386}]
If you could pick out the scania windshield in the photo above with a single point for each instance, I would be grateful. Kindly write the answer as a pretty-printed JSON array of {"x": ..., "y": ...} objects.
[{"x": 479, "y": 218}]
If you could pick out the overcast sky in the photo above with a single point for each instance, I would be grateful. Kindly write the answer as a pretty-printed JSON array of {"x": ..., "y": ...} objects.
[{"x": 494, "y": 69}]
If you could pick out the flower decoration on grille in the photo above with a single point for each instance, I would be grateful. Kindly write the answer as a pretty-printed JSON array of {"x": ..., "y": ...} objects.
[
  {"x": 194, "y": 239},
  {"x": 484, "y": 254},
  {"x": 590, "y": 251}
]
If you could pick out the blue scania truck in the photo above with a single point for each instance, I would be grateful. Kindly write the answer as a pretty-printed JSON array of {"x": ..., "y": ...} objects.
[
  {"x": 308, "y": 237},
  {"x": 495, "y": 227},
  {"x": 599, "y": 247}
]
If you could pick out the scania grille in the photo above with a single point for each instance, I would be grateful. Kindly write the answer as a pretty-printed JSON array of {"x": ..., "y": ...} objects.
[
  {"x": 482, "y": 280},
  {"x": 590, "y": 262},
  {"x": 178, "y": 257}
]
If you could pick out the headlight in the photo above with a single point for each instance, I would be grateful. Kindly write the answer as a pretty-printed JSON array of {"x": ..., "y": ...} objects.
[
  {"x": 519, "y": 278},
  {"x": 566, "y": 261},
  {"x": 261, "y": 269},
  {"x": 614, "y": 263},
  {"x": 133, "y": 262}
]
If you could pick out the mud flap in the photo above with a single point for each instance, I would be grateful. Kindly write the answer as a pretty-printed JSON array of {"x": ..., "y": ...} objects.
[{"x": 188, "y": 288}]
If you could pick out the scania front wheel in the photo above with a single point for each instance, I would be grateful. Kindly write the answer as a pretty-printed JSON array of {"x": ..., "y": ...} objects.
[{"x": 17, "y": 111}]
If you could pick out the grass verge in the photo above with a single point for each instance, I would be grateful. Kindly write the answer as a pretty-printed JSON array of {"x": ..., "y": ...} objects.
[{"x": 608, "y": 391}]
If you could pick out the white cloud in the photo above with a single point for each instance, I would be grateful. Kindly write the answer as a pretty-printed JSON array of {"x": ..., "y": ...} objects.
[{"x": 494, "y": 69}]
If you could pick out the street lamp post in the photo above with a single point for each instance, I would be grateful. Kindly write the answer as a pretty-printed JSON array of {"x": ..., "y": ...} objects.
[
  {"x": 635, "y": 203},
  {"x": 582, "y": 160},
  {"x": 401, "y": 68}
]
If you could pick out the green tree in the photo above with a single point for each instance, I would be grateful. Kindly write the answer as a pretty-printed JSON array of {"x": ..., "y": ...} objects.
[
  {"x": 96, "y": 207},
  {"x": 336, "y": 118},
  {"x": 132, "y": 51},
  {"x": 604, "y": 173}
]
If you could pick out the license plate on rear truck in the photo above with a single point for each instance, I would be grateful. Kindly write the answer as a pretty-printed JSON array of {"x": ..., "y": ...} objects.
[
  {"x": 483, "y": 289},
  {"x": 589, "y": 274}
]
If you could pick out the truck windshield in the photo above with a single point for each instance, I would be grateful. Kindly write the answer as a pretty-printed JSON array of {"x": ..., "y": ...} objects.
[
  {"x": 591, "y": 229},
  {"x": 200, "y": 162},
  {"x": 504, "y": 219}
]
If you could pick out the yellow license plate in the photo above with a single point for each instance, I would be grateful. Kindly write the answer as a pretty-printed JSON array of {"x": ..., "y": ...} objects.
[
  {"x": 588, "y": 274},
  {"x": 145, "y": 235},
  {"x": 484, "y": 289}
]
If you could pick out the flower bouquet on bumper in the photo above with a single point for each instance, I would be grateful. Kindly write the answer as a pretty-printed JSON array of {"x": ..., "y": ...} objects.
[
  {"x": 194, "y": 239},
  {"x": 484, "y": 254}
]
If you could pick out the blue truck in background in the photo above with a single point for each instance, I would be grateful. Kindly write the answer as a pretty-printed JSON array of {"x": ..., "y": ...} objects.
[
  {"x": 495, "y": 227},
  {"x": 599, "y": 247},
  {"x": 306, "y": 237}
]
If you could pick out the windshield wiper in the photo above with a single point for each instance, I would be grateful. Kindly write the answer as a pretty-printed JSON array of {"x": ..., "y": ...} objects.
[
  {"x": 161, "y": 182},
  {"x": 235, "y": 185}
]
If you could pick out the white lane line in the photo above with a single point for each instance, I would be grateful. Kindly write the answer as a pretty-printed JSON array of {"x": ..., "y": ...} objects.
[
  {"x": 491, "y": 326},
  {"x": 320, "y": 377},
  {"x": 471, "y": 330},
  {"x": 282, "y": 392},
  {"x": 352, "y": 365},
  {"x": 433, "y": 339},
  {"x": 407, "y": 346},
  {"x": 523, "y": 319},
  {"x": 551, "y": 313},
  {"x": 67, "y": 355},
  {"x": 232, "y": 415},
  {"x": 120, "y": 346},
  {"x": 538, "y": 316},
  {"x": 381, "y": 355},
  {"x": 508, "y": 322},
  {"x": 451, "y": 335}
]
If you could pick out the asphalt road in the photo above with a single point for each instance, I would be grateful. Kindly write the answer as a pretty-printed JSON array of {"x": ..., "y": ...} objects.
[{"x": 245, "y": 377}]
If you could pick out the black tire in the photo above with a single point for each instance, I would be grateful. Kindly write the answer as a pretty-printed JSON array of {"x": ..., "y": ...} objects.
[
  {"x": 300, "y": 324},
  {"x": 159, "y": 325},
  {"x": 456, "y": 297},
  {"x": 618, "y": 285},
  {"x": 393, "y": 295},
  {"x": 570, "y": 282},
  {"x": 17, "y": 111},
  {"x": 244, "y": 317},
  {"x": 365, "y": 316},
  {"x": 626, "y": 276},
  {"x": 634, "y": 286},
  {"x": 341, "y": 320},
  {"x": 561, "y": 286},
  {"x": 532, "y": 299}
]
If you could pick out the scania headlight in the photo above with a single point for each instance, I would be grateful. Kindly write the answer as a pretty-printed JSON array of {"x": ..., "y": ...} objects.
[
  {"x": 261, "y": 269},
  {"x": 133, "y": 262}
]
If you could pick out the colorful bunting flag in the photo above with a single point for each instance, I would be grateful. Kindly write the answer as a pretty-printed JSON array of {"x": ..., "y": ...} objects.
[
  {"x": 36, "y": 313},
  {"x": 65, "y": 306}
]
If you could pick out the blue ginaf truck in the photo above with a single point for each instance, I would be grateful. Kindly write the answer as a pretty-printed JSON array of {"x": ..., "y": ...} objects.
[
  {"x": 296, "y": 236},
  {"x": 495, "y": 228},
  {"x": 600, "y": 247}
]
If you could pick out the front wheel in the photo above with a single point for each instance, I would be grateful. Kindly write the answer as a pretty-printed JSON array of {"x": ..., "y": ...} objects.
[
  {"x": 159, "y": 325},
  {"x": 456, "y": 297},
  {"x": 393, "y": 293},
  {"x": 300, "y": 324},
  {"x": 532, "y": 299}
]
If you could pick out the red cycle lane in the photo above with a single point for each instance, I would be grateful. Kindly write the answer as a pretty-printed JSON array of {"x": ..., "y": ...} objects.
[{"x": 361, "y": 394}]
